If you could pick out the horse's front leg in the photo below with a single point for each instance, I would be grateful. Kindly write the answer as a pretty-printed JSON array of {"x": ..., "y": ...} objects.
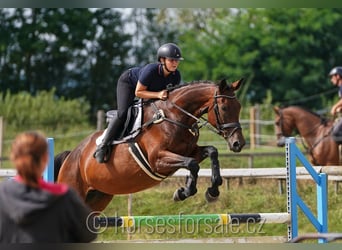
[
  {"x": 216, "y": 180},
  {"x": 167, "y": 160},
  {"x": 190, "y": 183}
]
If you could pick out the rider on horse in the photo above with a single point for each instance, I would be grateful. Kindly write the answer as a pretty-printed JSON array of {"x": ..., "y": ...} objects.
[
  {"x": 336, "y": 79},
  {"x": 150, "y": 82}
]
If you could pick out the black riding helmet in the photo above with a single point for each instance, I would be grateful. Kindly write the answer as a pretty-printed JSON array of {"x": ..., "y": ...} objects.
[
  {"x": 336, "y": 71},
  {"x": 169, "y": 50}
]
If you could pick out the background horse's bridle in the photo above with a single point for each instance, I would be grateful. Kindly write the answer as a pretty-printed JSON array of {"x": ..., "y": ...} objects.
[
  {"x": 309, "y": 149},
  {"x": 280, "y": 124}
]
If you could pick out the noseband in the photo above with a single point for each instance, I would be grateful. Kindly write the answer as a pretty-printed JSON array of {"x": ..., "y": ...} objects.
[{"x": 220, "y": 126}]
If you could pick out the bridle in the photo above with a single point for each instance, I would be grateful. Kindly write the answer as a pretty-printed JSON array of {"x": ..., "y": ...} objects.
[
  {"x": 280, "y": 124},
  {"x": 220, "y": 126},
  {"x": 309, "y": 149},
  {"x": 201, "y": 121}
]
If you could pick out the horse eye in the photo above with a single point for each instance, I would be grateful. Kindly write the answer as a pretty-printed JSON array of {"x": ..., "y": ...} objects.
[{"x": 224, "y": 108}]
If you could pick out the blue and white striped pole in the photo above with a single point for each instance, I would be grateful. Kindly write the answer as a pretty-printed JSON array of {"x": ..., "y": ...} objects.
[{"x": 294, "y": 200}]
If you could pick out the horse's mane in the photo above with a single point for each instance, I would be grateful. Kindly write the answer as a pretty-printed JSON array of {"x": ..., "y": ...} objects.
[
  {"x": 182, "y": 85},
  {"x": 171, "y": 88}
]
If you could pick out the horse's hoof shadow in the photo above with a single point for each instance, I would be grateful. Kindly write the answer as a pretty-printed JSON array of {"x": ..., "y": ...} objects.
[{"x": 212, "y": 195}]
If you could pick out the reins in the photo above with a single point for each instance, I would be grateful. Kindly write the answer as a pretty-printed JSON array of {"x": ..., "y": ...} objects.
[{"x": 200, "y": 122}]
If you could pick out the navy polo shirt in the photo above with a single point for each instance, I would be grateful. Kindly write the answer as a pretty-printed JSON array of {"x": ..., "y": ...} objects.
[{"x": 151, "y": 76}]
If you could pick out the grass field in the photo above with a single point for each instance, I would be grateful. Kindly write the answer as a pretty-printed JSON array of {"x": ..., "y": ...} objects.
[{"x": 252, "y": 196}]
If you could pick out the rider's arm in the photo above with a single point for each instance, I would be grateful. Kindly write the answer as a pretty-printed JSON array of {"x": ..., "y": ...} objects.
[
  {"x": 336, "y": 108},
  {"x": 142, "y": 92}
]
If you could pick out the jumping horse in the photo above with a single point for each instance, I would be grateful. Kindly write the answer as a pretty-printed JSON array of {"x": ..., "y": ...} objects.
[
  {"x": 165, "y": 146},
  {"x": 313, "y": 128}
]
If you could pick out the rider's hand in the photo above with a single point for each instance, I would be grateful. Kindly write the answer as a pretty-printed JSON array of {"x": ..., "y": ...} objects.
[
  {"x": 335, "y": 109},
  {"x": 163, "y": 95},
  {"x": 332, "y": 111}
]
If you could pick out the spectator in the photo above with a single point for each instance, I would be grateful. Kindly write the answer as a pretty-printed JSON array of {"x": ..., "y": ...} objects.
[{"x": 33, "y": 210}]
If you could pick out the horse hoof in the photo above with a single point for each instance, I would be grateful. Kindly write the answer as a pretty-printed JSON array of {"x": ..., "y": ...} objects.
[
  {"x": 178, "y": 195},
  {"x": 211, "y": 197}
]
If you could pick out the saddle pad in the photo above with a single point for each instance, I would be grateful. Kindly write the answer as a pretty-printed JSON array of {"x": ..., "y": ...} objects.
[{"x": 134, "y": 131}]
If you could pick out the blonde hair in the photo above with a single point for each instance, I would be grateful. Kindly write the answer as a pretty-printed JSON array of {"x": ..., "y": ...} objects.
[{"x": 27, "y": 151}]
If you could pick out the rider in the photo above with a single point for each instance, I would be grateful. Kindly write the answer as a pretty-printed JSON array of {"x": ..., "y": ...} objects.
[
  {"x": 149, "y": 81},
  {"x": 335, "y": 75}
]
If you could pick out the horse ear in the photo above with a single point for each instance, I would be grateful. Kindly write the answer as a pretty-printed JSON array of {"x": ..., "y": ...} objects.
[
  {"x": 236, "y": 85},
  {"x": 276, "y": 109},
  {"x": 222, "y": 85}
]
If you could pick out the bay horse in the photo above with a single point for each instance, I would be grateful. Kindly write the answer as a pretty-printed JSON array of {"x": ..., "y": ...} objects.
[
  {"x": 313, "y": 128},
  {"x": 166, "y": 145}
]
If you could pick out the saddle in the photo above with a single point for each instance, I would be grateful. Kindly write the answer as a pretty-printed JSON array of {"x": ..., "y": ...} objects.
[{"x": 132, "y": 126}]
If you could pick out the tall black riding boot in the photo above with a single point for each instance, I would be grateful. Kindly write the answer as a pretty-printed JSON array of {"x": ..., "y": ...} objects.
[{"x": 102, "y": 153}]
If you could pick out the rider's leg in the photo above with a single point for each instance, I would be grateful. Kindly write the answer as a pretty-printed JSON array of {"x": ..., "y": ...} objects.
[
  {"x": 337, "y": 131},
  {"x": 125, "y": 98},
  {"x": 113, "y": 131}
]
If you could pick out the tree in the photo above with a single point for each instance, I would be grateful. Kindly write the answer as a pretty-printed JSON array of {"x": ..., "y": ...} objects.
[
  {"x": 80, "y": 52},
  {"x": 287, "y": 51},
  {"x": 149, "y": 30}
]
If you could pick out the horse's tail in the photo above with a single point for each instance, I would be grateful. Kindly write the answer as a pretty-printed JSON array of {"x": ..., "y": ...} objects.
[{"x": 58, "y": 161}]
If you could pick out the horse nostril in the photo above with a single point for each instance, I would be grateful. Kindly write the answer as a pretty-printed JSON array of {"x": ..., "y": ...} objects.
[{"x": 236, "y": 145}]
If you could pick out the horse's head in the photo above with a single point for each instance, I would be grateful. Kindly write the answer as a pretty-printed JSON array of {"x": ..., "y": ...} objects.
[
  {"x": 225, "y": 113},
  {"x": 281, "y": 127}
]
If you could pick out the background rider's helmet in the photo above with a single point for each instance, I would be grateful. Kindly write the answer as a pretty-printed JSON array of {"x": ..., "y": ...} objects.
[
  {"x": 169, "y": 50},
  {"x": 336, "y": 71}
]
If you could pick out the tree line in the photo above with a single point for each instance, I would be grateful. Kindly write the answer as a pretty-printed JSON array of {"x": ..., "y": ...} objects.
[{"x": 284, "y": 54}]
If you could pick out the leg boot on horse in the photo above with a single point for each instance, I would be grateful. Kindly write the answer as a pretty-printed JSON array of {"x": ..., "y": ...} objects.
[{"x": 102, "y": 153}]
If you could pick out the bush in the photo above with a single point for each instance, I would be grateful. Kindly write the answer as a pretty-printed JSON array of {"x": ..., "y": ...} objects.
[
  {"x": 45, "y": 111},
  {"x": 65, "y": 120}
]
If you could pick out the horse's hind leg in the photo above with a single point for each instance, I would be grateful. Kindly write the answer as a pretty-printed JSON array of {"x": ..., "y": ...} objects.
[
  {"x": 58, "y": 161},
  {"x": 97, "y": 200},
  {"x": 213, "y": 192}
]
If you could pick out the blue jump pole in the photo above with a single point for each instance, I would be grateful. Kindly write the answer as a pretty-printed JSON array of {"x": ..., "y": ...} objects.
[
  {"x": 295, "y": 201},
  {"x": 48, "y": 174}
]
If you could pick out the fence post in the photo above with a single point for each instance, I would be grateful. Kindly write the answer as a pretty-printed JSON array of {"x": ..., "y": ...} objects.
[
  {"x": 100, "y": 120},
  {"x": 252, "y": 130},
  {"x": 295, "y": 201},
  {"x": 257, "y": 125},
  {"x": 129, "y": 208},
  {"x": 49, "y": 173},
  {"x": 292, "y": 228}
]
